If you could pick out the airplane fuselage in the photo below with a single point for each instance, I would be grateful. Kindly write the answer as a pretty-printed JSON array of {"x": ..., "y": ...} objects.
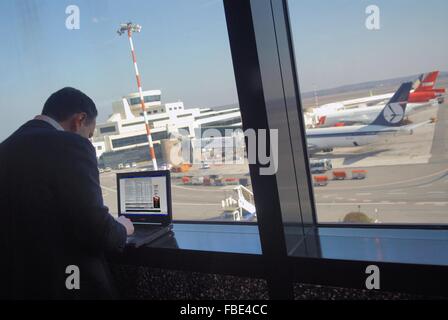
[
  {"x": 342, "y": 137},
  {"x": 362, "y": 115},
  {"x": 388, "y": 122}
]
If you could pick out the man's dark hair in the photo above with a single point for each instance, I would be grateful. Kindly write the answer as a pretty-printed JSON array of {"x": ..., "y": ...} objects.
[{"x": 66, "y": 102}]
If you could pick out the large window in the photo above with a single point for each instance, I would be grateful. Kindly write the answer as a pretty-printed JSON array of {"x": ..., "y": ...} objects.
[
  {"x": 147, "y": 99},
  {"x": 218, "y": 113},
  {"x": 372, "y": 160},
  {"x": 55, "y": 44},
  {"x": 138, "y": 139},
  {"x": 107, "y": 129}
]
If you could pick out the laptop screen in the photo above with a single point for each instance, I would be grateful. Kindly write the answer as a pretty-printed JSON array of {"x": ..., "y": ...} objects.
[{"x": 143, "y": 195}]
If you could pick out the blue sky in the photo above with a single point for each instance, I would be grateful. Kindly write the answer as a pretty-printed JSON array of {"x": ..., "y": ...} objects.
[
  {"x": 184, "y": 50},
  {"x": 333, "y": 46}
]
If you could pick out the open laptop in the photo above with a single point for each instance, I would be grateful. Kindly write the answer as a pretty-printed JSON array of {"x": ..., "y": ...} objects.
[{"x": 145, "y": 199}]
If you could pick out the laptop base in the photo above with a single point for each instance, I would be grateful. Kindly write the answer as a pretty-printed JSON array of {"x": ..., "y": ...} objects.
[{"x": 145, "y": 234}]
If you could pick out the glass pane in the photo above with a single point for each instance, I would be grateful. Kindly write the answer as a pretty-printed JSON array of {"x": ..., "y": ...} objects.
[
  {"x": 187, "y": 82},
  {"x": 372, "y": 81}
]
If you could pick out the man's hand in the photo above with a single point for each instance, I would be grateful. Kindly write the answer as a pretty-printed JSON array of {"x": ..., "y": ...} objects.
[{"x": 127, "y": 224}]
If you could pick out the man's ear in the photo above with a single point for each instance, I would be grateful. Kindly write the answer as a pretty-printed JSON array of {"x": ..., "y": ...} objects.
[
  {"x": 84, "y": 116},
  {"x": 81, "y": 117},
  {"x": 76, "y": 121}
]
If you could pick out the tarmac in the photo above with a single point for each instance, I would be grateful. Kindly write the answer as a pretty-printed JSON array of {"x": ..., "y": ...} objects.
[{"x": 407, "y": 180}]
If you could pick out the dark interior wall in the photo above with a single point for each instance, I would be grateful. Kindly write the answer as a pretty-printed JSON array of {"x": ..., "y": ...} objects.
[
  {"x": 135, "y": 282},
  {"x": 138, "y": 282},
  {"x": 315, "y": 292}
]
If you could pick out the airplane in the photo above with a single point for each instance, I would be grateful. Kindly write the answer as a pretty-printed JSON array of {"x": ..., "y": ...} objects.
[
  {"x": 421, "y": 97},
  {"x": 426, "y": 91},
  {"x": 388, "y": 122},
  {"x": 363, "y": 115}
]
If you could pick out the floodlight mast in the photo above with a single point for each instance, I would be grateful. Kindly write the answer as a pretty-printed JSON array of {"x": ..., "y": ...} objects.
[{"x": 130, "y": 28}]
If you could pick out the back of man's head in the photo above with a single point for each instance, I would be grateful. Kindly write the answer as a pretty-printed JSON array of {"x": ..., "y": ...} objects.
[{"x": 67, "y": 102}]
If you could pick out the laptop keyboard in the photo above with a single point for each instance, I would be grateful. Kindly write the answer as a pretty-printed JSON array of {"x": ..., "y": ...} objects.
[{"x": 142, "y": 232}]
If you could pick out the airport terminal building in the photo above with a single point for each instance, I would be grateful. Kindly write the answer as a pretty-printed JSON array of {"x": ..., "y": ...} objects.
[{"x": 122, "y": 138}]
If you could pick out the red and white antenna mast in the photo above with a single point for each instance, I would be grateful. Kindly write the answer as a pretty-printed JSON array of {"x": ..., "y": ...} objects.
[{"x": 130, "y": 28}]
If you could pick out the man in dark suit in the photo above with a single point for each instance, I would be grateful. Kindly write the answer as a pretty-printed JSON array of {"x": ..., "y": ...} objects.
[{"x": 53, "y": 220}]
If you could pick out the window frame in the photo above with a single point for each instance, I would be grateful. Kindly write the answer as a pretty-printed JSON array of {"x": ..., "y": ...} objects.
[{"x": 267, "y": 24}]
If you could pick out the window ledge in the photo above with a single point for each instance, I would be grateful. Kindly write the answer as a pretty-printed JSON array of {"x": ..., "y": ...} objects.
[{"x": 408, "y": 246}]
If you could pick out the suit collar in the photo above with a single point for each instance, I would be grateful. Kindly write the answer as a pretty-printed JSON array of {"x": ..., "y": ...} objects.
[
  {"x": 38, "y": 124},
  {"x": 50, "y": 121}
]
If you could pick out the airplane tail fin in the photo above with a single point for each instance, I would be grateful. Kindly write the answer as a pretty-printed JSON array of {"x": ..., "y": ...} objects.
[
  {"x": 394, "y": 111},
  {"x": 417, "y": 83},
  {"x": 428, "y": 82},
  {"x": 322, "y": 120}
]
